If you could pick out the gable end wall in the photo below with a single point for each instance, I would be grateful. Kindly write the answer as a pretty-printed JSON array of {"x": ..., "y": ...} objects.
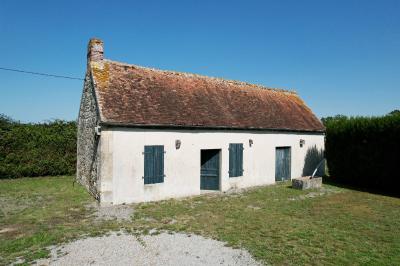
[{"x": 88, "y": 148}]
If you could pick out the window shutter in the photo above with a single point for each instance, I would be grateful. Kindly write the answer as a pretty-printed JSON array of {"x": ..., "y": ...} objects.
[
  {"x": 148, "y": 164},
  {"x": 235, "y": 159},
  {"x": 231, "y": 160},
  {"x": 240, "y": 159},
  {"x": 153, "y": 164},
  {"x": 159, "y": 164}
]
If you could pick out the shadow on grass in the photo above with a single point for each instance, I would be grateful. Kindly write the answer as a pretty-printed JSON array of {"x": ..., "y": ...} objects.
[{"x": 331, "y": 181}]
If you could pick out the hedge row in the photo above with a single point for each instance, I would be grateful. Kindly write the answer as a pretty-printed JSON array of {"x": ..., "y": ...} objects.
[
  {"x": 37, "y": 149},
  {"x": 364, "y": 151}
]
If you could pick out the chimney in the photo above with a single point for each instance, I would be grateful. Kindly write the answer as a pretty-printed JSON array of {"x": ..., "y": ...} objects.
[{"x": 95, "y": 50}]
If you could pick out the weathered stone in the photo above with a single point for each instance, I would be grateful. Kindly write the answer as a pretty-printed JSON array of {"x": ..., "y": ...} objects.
[
  {"x": 87, "y": 140},
  {"x": 95, "y": 50},
  {"x": 306, "y": 182}
]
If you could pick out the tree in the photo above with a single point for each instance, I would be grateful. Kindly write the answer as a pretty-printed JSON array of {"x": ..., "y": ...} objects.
[
  {"x": 328, "y": 119},
  {"x": 6, "y": 122},
  {"x": 394, "y": 112}
]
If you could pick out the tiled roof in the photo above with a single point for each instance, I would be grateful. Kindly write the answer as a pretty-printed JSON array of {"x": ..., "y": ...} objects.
[{"x": 132, "y": 95}]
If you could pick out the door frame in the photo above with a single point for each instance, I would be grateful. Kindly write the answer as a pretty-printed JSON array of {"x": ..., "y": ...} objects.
[{"x": 219, "y": 169}]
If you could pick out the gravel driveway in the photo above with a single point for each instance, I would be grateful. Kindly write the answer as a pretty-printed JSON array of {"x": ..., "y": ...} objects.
[{"x": 162, "y": 249}]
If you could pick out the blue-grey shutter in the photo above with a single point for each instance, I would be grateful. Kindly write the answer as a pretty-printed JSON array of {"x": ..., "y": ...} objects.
[
  {"x": 232, "y": 171},
  {"x": 240, "y": 159},
  {"x": 148, "y": 164},
  {"x": 153, "y": 164},
  {"x": 235, "y": 159},
  {"x": 159, "y": 164}
]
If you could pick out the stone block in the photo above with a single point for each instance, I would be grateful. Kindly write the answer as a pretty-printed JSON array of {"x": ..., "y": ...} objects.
[{"x": 306, "y": 182}]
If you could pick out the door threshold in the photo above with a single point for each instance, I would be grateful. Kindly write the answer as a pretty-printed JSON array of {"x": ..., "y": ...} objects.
[{"x": 208, "y": 191}]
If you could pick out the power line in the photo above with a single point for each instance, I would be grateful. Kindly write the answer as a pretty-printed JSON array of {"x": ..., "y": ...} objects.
[{"x": 38, "y": 73}]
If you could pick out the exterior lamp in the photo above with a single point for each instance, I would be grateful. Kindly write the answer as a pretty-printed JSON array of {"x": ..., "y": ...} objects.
[
  {"x": 302, "y": 142},
  {"x": 250, "y": 142},
  {"x": 177, "y": 144}
]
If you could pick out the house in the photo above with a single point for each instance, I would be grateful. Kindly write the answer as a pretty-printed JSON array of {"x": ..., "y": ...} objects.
[{"x": 147, "y": 134}]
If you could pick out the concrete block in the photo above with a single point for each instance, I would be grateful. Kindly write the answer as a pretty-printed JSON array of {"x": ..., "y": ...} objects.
[{"x": 306, "y": 182}]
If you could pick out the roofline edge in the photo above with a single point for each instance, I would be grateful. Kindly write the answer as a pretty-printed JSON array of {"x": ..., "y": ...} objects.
[{"x": 155, "y": 126}]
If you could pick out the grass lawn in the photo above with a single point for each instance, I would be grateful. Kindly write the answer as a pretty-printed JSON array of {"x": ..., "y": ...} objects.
[{"x": 276, "y": 224}]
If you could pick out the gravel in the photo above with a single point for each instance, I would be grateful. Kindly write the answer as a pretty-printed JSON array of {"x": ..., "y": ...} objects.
[
  {"x": 119, "y": 212},
  {"x": 162, "y": 249}
]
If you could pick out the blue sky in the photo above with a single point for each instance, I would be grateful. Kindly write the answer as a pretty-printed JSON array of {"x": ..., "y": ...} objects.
[{"x": 342, "y": 57}]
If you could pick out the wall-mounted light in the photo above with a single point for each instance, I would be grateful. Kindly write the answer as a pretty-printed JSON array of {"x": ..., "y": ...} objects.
[
  {"x": 177, "y": 144},
  {"x": 97, "y": 130},
  {"x": 302, "y": 142},
  {"x": 250, "y": 142}
]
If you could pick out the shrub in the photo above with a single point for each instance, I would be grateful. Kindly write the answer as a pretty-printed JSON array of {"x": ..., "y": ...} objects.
[
  {"x": 313, "y": 158},
  {"x": 37, "y": 149},
  {"x": 364, "y": 151}
]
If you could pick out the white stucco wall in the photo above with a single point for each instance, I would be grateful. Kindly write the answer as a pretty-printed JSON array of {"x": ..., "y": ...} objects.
[{"x": 122, "y": 162}]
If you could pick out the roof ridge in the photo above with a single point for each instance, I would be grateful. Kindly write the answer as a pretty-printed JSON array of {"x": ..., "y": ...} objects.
[{"x": 187, "y": 74}]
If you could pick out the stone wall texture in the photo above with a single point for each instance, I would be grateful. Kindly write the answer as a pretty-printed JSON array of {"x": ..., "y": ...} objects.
[{"x": 87, "y": 141}]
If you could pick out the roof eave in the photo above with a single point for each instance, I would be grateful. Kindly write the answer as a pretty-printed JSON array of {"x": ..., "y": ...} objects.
[{"x": 172, "y": 126}]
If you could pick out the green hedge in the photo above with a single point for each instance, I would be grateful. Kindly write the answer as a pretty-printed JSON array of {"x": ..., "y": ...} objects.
[
  {"x": 37, "y": 149},
  {"x": 364, "y": 151}
]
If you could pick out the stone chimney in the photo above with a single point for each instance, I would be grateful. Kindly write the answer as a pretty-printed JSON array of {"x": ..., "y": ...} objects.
[{"x": 95, "y": 51}]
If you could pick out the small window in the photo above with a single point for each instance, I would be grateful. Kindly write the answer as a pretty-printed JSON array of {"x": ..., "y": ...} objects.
[
  {"x": 235, "y": 159},
  {"x": 153, "y": 164}
]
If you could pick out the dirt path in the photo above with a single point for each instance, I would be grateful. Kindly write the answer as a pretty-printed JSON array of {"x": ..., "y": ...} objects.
[{"x": 162, "y": 249}]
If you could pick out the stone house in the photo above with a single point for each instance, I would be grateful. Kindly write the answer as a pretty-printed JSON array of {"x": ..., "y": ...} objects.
[{"x": 147, "y": 134}]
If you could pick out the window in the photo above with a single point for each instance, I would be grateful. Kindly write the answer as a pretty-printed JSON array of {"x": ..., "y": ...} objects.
[
  {"x": 235, "y": 159},
  {"x": 153, "y": 164}
]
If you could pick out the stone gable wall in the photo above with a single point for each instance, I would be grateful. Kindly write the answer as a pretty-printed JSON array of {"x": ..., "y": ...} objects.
[{"x": 87, "y": 141}]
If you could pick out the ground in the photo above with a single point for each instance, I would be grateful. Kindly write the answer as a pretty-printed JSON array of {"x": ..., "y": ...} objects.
[
  {"x": 165, "y": 249},
  {"x": 275, "y": 224}
]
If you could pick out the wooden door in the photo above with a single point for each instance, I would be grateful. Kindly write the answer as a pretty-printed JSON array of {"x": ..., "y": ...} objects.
[
  {"x": 282, "y": 163},
  {"x": 209, "y": 176}
]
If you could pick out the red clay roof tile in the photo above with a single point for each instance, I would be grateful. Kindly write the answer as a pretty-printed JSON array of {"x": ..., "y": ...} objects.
[{"x": 133, "y": 95}]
